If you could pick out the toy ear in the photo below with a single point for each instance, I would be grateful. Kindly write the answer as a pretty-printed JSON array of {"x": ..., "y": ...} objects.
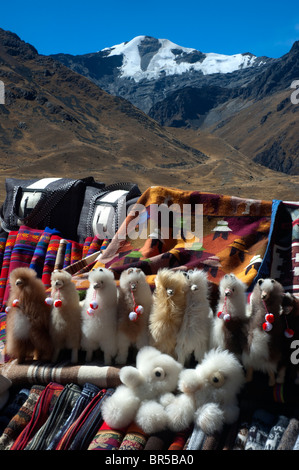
[
  {"x": 130, "y": 376},
  {"x": 260, "y": 282}
]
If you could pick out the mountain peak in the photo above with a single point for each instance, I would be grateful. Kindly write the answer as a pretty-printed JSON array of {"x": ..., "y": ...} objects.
[{"x": 145, "y": 57}]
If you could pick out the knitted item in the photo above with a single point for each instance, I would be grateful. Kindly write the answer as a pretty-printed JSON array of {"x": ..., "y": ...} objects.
[
  {"x": 196, "y": 439},
  {"x": 159, "y": 441},
  {"x": 259, "y": 429},
  {"x": 20, "y": 420},
  {"x": 62, "y": 408},
  {"x": 12, "y": 408},
  {"x": 40, "y": 415},
  {"x": 290, "y": 436},
  {"x": 88, "y": 392},
  {"x": 107, "y": 438},
  {"x": 276, "y": 433},
  {"x": 82, "y": 431},
  {"x": 134, "y": 439},
  {"x": 179, "y": 440}
]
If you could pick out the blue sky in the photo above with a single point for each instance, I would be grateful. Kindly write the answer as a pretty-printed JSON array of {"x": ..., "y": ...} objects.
[{"x": 78, "y": 27}]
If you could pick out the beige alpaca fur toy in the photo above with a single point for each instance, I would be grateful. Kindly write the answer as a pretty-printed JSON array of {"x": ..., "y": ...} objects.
[
  {"x": 169, "y": 305},
  {"x": 65, "y": 325},
  {"x": 99, "y": 315},
  {"x": 194, "y": 334},
  {"x": 230, "y": 326},
  {"x": 28, "y": 317},
  {"x": 133, "y": 310}
]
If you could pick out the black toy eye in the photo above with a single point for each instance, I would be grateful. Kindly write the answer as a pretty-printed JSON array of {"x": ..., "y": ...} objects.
[
  {"x": 272, "y": 280},
  {"x": 215, "y": 380},
  {"x": 159, "y": 373}
]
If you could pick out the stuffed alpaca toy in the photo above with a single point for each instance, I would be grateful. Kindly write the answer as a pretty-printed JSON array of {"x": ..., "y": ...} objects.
[
  {"x": 28, "y": 317},
  {"x": 65, "y": 325},
  {"x": 133, "y": 310},
  {"x": 141, "y": 393},
  {"x": 209, "y": 397},
  {"x": 169, "y": 305},
  {"x": 266, "y": 330},
  {"x": 194, "y": 334},
  {"x": 229, "y": 330},
  {"x": 99, "y": 315}
]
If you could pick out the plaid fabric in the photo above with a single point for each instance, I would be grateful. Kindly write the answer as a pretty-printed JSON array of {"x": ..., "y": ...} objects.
[{"x": 40, "y": 415}]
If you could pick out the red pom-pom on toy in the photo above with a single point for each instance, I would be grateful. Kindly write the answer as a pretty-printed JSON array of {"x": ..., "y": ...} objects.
[
  {"x": 289, "y": 333},
  {"x": 16, "y": 303},
  {"x": 90, "y": 311},
  {"x": 138, "y": 309},
  {"x": 49, "y": 301},
  {"x": 267, "y": 326},
  {"x": 133, "y": 316},
  {"x": 269, "y": 317},
  {"x": 7, "y": 309},
  {"x": 57, "y": 303},
  {"x": 94, "y": 305},
  {"x": 226, "y": 317},
  {"x": 220, "y": 314}
]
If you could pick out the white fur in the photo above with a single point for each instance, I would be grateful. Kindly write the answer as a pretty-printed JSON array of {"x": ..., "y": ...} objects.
[
  {"x": 65, "y": 324},
  {"x": 194, "y": 333},
  {"x": 21, "y": 325},
  {"x": 139, "y": 397},
  {"x": 99, "y": 329},
  {"x": 236, "y": 307},
  {"x": 131, "y": 333},
  {"x": 203, "y": 401}
]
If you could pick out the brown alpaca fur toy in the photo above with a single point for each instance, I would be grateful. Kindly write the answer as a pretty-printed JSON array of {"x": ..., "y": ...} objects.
[
  {"x": 65, "y": 326},
  {"x": 169, "y": 304},
  {"x": 132, "y": 322},
  {"x": 28, "y": 317},
  {"x": 266, "y": 330}
]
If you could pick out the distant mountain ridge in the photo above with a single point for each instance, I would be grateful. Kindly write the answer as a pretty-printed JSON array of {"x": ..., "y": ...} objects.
[{"x": 183, "y": 87}]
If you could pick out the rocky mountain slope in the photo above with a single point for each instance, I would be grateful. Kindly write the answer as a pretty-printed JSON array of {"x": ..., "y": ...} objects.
[
  {"x": 56, "y": 122},
  {"x": 185, "y": 88}
]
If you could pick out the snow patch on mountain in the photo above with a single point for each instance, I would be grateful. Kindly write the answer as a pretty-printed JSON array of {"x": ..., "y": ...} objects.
[{"x": 170, "y": 59}]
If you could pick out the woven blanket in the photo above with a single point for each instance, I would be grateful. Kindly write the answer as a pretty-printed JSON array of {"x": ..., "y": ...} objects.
[
  {"x": 63, "y": 373},
  {"x": 234, "y": 236}
]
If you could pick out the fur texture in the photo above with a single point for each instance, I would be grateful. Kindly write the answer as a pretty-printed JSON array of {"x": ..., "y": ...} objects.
[
  {"x": 139, "y": 397},
  {"x": 194, "y": 334},
  {"x": 209, "y": 393},
  {"x": 132, "y": 287},
  {"x": 65, "y": 327},
  {"x": 99, "y": 324},
  {"x": 169, "y": 305},
  {"x": 230, "y": 333},
  {"x": 28, "y": 324},
  {"x": 264, "y": 348}
]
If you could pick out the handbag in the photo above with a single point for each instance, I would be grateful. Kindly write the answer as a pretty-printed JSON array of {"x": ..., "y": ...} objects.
[{"x": 45, "y": 202}]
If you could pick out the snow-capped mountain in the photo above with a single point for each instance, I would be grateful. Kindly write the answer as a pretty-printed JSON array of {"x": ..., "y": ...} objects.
[
  {"x": 149, "y": 58},
  {"x": 146, "y": 70}
]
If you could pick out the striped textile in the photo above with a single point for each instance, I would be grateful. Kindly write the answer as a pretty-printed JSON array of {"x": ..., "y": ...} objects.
[
  {"x": 88, "y": 392},
  {"x": 107, "y": 438},
  {"x": 40, "y": 415},
  {"x": 62, "y": 408},
  {"x": 82, "y": 431},
  {"x": 20, "y": 420}
]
